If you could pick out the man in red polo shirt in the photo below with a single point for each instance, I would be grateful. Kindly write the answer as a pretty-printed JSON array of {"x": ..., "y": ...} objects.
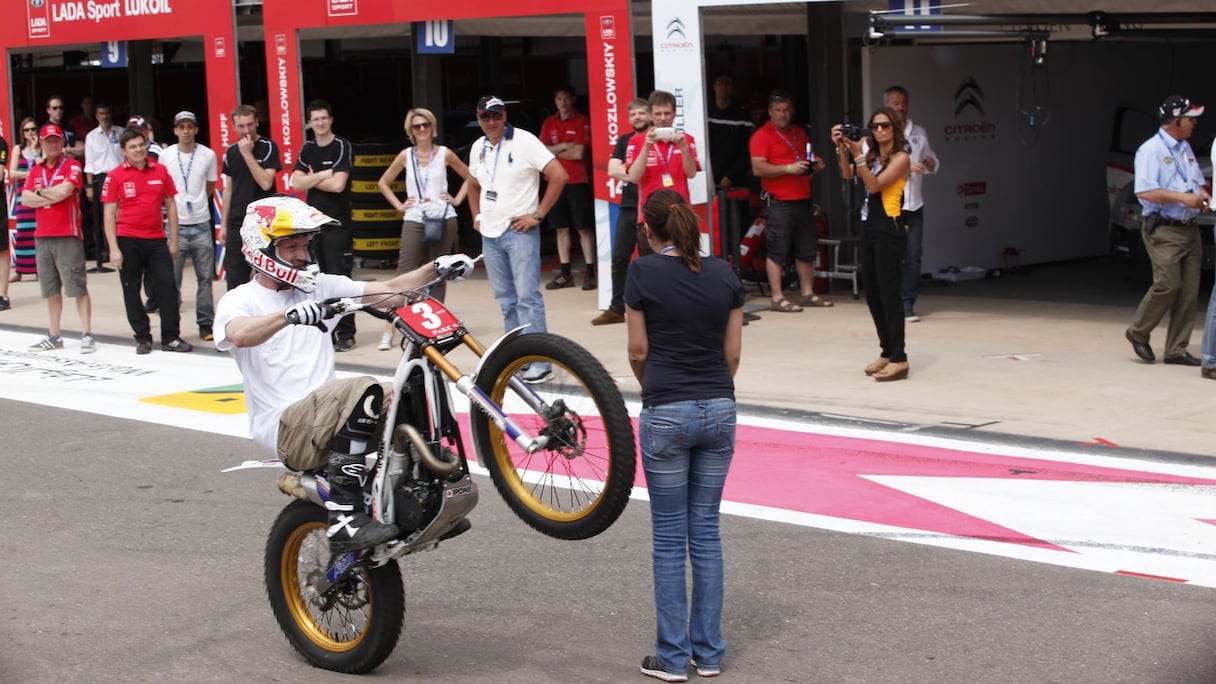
[
  {"x": 53, "y": 189},
  {"x": 663, "y": 157},
  {"x": 781, "y": 159},
  {"x": 567, "y": 134},
  {"x": 140, "y": 187}
]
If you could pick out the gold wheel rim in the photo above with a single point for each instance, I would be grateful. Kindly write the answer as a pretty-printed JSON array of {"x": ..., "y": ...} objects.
[
  {"x": 522, "y": 491},
  {"x": 298, "y": 605}
]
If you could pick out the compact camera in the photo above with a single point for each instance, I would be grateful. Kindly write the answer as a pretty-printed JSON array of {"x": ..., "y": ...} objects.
[
  {"x": 665, "y": 133},
  {"x": 853, "y": 132}
]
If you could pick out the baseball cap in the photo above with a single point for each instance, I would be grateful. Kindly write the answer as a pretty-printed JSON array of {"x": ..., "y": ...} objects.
[
  {"x": 490, "y": 103},
  {"x": 184, "y": 116},
  {"x": 1176, "y": 106},
  {"x": 50, "y": 131},
  {"x": 137, "y": 121}
]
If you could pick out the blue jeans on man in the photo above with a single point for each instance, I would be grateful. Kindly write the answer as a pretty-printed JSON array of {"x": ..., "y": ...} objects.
[
  {"x": 1208, "y": 348},
  {"x": 912, "y": 258},
  {"x": 197, "y": 241},
  {"x": 686, "y": 452},
  {"x": 513, "y": 265}
]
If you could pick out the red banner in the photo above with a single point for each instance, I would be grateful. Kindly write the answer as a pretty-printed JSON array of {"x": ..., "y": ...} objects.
[
  {"x": 49, "y": 23},
  {"x": 609, "y": 90}
]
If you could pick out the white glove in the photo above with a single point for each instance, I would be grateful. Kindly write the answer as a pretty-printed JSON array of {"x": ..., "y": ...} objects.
[
  {"x": 306, "y": 312},
  {"x": 454, "y": 266}
]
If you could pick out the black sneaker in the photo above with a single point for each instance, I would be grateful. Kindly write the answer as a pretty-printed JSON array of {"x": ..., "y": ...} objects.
[
  {"x": 356, "y": 531},
  {"x": 205, "y": 333},
  {"x": 5, "y": 304},
  {"x": 143, "y": 346},
  {"x": 344, "y": 345},
  {"x": 176, "y": 344},
  {"x": 651, "y": 668},
  {"x": 562, "y": 280}
]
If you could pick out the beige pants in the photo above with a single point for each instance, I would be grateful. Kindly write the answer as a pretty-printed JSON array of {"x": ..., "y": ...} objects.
[
  {"x": 308, "y": 426},
  {"x": 1176, "y": 253}
]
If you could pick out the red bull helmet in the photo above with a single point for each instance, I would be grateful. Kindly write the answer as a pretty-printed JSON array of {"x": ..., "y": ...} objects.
[{"x": 267, "y": 221}]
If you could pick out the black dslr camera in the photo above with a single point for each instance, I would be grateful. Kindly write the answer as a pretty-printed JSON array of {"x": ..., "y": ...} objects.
[{"x": 853, "y": 131}]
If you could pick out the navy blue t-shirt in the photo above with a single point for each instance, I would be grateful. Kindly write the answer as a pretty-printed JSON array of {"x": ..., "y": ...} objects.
[{"x": 686, "y": 315}]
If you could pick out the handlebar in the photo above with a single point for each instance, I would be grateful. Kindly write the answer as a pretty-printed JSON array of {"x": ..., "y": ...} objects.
[{"x": 339, "y": 306}]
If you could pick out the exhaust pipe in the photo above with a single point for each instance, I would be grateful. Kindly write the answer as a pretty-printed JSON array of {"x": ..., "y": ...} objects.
[{"x": 433, "y": 463}]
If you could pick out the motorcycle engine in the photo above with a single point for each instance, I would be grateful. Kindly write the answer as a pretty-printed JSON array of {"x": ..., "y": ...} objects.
[{"x": 415, "y": 506}]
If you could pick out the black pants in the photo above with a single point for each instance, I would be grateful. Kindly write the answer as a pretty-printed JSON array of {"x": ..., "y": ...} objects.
[
  {"x": 628, "y": 235},
  {"x": 883, "y": 242},
  {"x": 101, "y": 251},
  {"x": 334, "y": 252},
  {"x": 148, "y": 260},
  {"x": 236, "y": 270}
]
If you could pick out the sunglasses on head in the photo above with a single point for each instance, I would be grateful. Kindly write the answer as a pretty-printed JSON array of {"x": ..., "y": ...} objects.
[
  {"x": 488, "y": 116},
  {"x": 421, "y": 126},
  {"x": 879, "y": 125}
]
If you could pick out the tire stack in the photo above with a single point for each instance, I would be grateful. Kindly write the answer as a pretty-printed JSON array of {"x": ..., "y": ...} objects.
[{"x": 377, "y": 225}]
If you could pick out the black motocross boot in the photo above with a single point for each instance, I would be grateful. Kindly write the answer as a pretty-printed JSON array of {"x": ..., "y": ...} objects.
[{"x": 350, "y": 529}]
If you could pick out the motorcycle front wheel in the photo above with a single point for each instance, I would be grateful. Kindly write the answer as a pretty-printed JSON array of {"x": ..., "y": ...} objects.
[
  {"x": 351, "y": 629},
  {"x": 579, "y": 484}
]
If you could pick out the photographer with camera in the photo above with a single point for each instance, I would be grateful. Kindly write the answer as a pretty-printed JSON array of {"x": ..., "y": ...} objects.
[
  {"x": 663, "y": 157},
  {"x": 783, "y": 160},
  {"x": 883, "y": 166}
]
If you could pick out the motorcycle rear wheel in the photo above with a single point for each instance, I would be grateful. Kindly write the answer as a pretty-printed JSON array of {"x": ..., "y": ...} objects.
[
  {"x": 360, "y": 628},
  {"x": 579, "y": 485}
]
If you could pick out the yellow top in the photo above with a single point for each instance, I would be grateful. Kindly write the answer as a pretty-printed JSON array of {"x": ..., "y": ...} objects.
[{"x": 893, "y": 198}]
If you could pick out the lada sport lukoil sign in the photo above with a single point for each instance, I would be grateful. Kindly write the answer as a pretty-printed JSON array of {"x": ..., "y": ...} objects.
[
  {"x": 45, "y": 14},
  {"x": 43, "y": 25}
]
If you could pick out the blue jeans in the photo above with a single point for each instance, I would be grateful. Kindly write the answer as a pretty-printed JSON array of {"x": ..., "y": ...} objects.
[
  {"x": 513, "y": 264},
  {"x": 912, "y": 258},
  {"x": 686, "y": 452},
  {"x": 198, "y": 242},
  {"x": 1208, "y": 349}
]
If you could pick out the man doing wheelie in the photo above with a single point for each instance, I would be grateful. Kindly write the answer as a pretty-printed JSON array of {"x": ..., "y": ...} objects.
[{"x": 278, "y": 332}]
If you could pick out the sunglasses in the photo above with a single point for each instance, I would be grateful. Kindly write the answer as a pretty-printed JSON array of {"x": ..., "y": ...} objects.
[
  {"x": 59, "y": 107},
  {"x": 880, "y": 125},
  {"x": 421, "y": 126},
  {"x": 29, "y": 130},
  {"x": 490, "y": 116}
]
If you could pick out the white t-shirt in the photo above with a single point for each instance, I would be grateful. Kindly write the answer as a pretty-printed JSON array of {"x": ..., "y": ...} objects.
[
  {"x": 433, "y": 179},
  {"x": 509, "y": 174},
  {"x": 193, "y": 204},
  {"x": 295, "y": 361}
]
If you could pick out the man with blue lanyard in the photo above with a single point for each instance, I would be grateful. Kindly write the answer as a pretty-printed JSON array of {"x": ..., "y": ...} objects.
[
  {"x": 504, "y": 182},
  {"x": 1169, "y": 184},
  {"x": 194, "y": 168}
]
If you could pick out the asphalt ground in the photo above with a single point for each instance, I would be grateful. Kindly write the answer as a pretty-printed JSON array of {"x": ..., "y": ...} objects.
[{"x": 130, "y": 558}]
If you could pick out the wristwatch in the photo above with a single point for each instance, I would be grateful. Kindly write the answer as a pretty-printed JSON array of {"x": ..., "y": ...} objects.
[{"x": 538, "y": 216}]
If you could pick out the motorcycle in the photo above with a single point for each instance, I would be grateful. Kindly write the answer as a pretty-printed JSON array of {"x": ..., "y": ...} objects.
[{"x": 561, "y": 454}]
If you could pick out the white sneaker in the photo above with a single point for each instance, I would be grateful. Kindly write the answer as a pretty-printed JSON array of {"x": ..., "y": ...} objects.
[
  {"x": 87, "y": 344},
  {"x": 386, "y": 342},
  {"x": 537, "y": 373},
  {"x": 911, "y": 317}
]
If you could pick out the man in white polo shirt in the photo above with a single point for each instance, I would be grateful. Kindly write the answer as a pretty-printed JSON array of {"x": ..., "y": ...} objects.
[
  {"x": 504, "y": 168},
  {"x": 193, "y": 168}
]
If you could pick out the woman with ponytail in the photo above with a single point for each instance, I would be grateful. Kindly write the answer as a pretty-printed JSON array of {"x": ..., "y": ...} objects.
[{"x": 684, "y": 316}]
